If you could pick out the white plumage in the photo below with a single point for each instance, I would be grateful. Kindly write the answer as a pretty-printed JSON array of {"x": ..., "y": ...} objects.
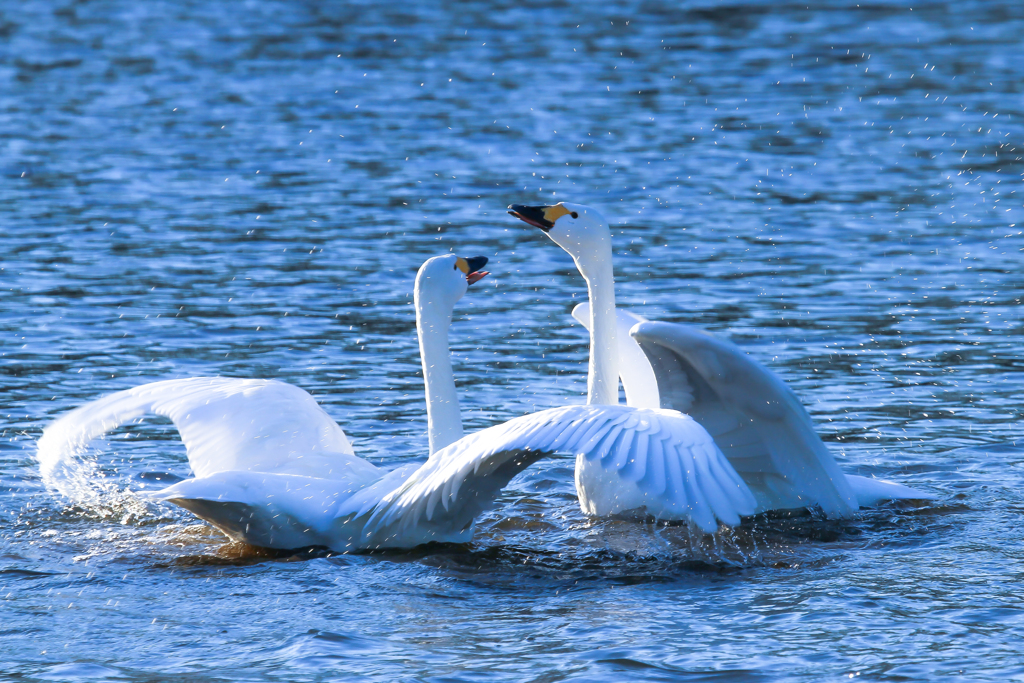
[
  {"x": 225, "y": 424},
  {"x": 758, "y": 423},
  {"x": 272, "y": 468},
  {"x": 659, "y": 460}
]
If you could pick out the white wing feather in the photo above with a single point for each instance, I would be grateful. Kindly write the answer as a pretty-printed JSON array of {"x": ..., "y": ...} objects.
[
  {"x": 755, "y": 419},
  {"x": 226, "y": 424},
  {"x": 677, "y": 470}
]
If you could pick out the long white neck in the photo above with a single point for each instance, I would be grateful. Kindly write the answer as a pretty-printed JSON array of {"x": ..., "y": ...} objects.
[
  {"x": 603, "y": 377},
  {"x": 444, "y": 420}
]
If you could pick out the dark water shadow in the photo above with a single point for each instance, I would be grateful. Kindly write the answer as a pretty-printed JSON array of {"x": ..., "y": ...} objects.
[{"x": 787, "y": 540}]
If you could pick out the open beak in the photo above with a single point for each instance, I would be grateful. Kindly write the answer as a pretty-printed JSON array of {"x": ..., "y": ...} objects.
[
  {"x": 532, "y": 215},
  {"x": 475, "y": 266}
]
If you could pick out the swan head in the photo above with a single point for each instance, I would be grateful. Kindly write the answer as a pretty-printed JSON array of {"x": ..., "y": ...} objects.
[
  {"x": 443, "y": 280},
  {"x": 579, "y": 230}
]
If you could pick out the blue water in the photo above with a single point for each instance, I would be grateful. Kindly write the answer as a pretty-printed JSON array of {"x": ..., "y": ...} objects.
[{"x": 246, "y": 189}]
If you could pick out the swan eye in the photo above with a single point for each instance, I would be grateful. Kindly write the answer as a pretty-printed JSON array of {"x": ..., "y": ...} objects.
[{"x": 574, "y": 214}]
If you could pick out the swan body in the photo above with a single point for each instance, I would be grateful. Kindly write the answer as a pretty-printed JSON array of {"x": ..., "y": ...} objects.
[
  {"x": 756, "y": 421},
  {"x": 271, "y": 468},
  {"x": 599, "y": 491},
  {"x": 707, "y": 398}
]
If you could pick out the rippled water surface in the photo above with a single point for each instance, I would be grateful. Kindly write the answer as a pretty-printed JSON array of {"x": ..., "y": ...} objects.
[{"x": 246, "y": 189}]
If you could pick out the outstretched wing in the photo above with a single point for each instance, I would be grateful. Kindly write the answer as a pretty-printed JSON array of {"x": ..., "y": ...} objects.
[
  {"x": 756, "y": 420},
  {"x": 662, "y": 459},
  {"x": 226, "y": 424}
]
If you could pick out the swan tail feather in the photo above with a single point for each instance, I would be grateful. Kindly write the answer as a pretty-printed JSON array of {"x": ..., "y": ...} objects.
[{"x": 871, "y": 492}]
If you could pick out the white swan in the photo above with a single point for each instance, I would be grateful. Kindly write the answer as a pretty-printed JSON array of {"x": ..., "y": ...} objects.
[
  {"x": 755, "y": 419},
  {"x": 268, "y": 462},
  {"x": 273, "y": 469}
]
